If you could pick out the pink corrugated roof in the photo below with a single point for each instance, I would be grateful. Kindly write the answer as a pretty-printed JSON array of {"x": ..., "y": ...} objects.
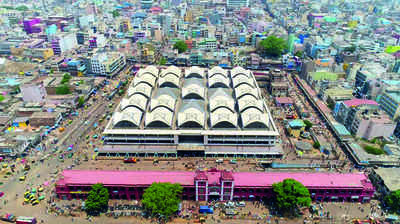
[
  {"x": 241, "y": 179},
  {"x": 357, "y": 102},
  {"x": 284, "y": 100},
  {"x": 125, "y": 177}
]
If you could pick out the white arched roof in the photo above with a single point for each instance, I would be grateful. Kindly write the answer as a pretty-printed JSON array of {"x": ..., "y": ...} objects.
[
  {"x": 130, "y": 115},
  {"x": 165, "y": 97},
  {"x": 173, "y": 70},
  {"x": 218, "y": 78},
  {"x": 145, "y": 78},
  {"x": 242, "y": 79},
  {"x": 192, "y": 111},
  {"x": 243, "y": 90},
  {"x": 223, "y": 115},
  {"x": 221, "y": 98},
  {"x": 194, "y": 72},
  {"x": 140, "y": 88},
  {"x": 248, "y": 101},
  {"x": 169, "y": 79},
  {"x": 159, "y": 115},
  {"x": 136, "y": 100},
  {"x": 149, "y": 70},
  {"x": 217, "y": 70},
  {"x": 252, "y": 117},
  {"x": 193, "y": 86},
  {"x": 239, "y": 70}
]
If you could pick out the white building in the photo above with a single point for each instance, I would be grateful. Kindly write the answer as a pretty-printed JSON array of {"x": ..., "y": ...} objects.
[
  {"x": 237, "y": 4},
  {"x": 107, "y": 63}
]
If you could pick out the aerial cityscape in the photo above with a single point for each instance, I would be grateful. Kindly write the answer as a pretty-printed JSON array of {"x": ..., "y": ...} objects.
[{"x": 199, "y": 111}]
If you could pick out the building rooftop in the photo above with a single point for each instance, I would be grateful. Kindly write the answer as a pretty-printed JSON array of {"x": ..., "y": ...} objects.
[
  {"x": 242, "y": 179},
  {"x": 391, "y": 177},
  {"x": 357, "y": 102}
]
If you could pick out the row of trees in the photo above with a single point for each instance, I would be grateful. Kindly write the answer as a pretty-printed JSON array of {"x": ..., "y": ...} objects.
[
  {"x": 162, "y": 199},
  {"x": 272, "y": 46}
]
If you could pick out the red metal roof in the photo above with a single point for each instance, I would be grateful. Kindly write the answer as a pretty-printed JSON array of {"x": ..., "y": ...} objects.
[{"x": 357, "y": 102}]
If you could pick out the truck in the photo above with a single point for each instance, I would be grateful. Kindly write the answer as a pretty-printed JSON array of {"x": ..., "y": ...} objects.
[
  {"x": 130, "y": 160},
  {"x": 7, "y": 218},
  {"x": 26, "y": 220}
]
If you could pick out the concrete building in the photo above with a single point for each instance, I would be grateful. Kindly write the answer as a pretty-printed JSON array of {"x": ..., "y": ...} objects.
[
  {"x": 237, "y": 4},
  {"x": 215, "y": 184},
  {"x": 34, "y": 92},
  {"x": 390, "y": 102},
  {"x": 193, "y": 112},
  {"x": 64, "y": 42},
  {"x": 386, "y": 180},
  {"x": 107, "y": 63},
  {"x": 364, "y": 118}
]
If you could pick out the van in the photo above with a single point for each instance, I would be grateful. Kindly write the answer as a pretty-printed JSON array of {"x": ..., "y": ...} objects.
[{"x": 219, "y": 161}]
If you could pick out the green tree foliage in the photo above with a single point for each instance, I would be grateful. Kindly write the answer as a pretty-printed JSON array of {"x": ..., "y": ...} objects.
[
  {"x": 115, "y": 13},
  {"x": 81, "y": 101},
  {"x": 350, "y": 49},
  {"x": 181, "y": 46},
  {"x": 2, "y": 98},
  {"x": 316, "y": 145},
  {"x": 63, "y": 89},
  {"x": 22, "y": 8},
  {"x": 373, "y": 150},
  {"x": 162, "y": 61},
  {"x": 97, "y": 200},
  {"x": 392, "y": 201},
  {"x": 162, "y": 198},
  {"x": 308, "y": 124},
  {"x": 273, "y": 46},
  {"x": 290, "y": 195},
  {"x": 299, "y": 54},
  {"x": 66, "y": 78}
]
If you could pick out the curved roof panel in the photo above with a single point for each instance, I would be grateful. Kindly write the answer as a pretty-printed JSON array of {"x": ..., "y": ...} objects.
[
  {"x": 239, "y": 70},
  {"x": 169, "y": 80},
  {"x": 242, "y": 79},
  {"x": 165, "y": 97},
  {"x": 145, "y": 78},
  {"x": 243, "y": 90},
  {"x": 223, "y": 118},
  {"x": 217, "y": 70},
  {"x": 221, "y": 98},
  {"x": 218, "y": 80},
  {"x": 136, "y": 100},
  {"x": 171, "y": 70},
  {"x": 248, "y": 101},
  {"x": 195, "y": 71},
  {"x": 159, "y": 117},
  {"x": 192, "y": 111},
  {"x": 151, "y": 69},
  {"x": 253, "y": 118},
  {"x": 130, "y": 117},
  {"x": 141, "y": 88},
  {"x": 193, "y": 88}
]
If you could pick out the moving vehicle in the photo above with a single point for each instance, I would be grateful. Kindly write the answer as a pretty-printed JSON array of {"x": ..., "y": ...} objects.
[
  {"x": 22, "y": 178},
  {"x": 233, "y": 161},
  {"x": 219, "y": 161},
  {"x": 130, "y": 160},
  {"x": 26, "y": 220}
]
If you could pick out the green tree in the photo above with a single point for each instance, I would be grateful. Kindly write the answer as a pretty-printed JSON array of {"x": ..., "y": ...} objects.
[
  {"x": 162, "y": 61},
  {"x": 273, "y": 46},
  {"x": 350, "y": 49},
  {"x": 162, "y": 199},
  {"x": 66, "y": 78},
  {"x": 181, "y": 46},
  {"x": 97, "y": 200},
  {"x": 308, "y": 124},
  {"x": 299, "y": 54},
  {"x": 81, "y": 101},
  {"x": 62, "y": 90},
  {"x": 291, "y": 195},
  {"x": 22, "y": 8},
  {"x": 317, "y": 145},
  {"x": 392, "y": 201},
  {"x": 115, "y": 13}
]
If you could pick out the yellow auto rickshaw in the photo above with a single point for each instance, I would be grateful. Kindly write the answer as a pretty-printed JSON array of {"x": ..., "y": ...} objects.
[
  {"x": 22, "y": 178},
  {"x": 40, "y": 189},
  {"x": 35, "y": 202}
]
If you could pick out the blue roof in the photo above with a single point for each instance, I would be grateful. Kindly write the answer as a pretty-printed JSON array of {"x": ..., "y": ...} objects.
[
  {"x": 296, "y": 123},
  {"x": 341, "y": 129}
]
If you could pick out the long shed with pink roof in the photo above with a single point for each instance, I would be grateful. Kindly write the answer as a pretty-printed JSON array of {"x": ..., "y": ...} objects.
[{"x": 215, "y": 184}]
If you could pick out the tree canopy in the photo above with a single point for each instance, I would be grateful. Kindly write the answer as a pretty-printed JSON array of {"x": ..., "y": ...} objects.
[
  {"x": 63, "y": 90},
  {"x": 308, "y": 124},
  {"x": 81, "y": 101},
  {"x": 290, "y": 195},
  {"x": 181, "y": 46},
  {"x": 393, "y": 201},
  {"x": 299, "y": 54},
  {"x": 115, "y": 13},
  {"x": 22, "y": 8},
  {"x": 66, "y": 78},
  {"x": 162, "y": 61},
  {"x": 162, "y": 199},
  {"x": 97, "y": 200},
  {"x": 273, "y": 46},
  {"x": 317, "y": 145}
]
